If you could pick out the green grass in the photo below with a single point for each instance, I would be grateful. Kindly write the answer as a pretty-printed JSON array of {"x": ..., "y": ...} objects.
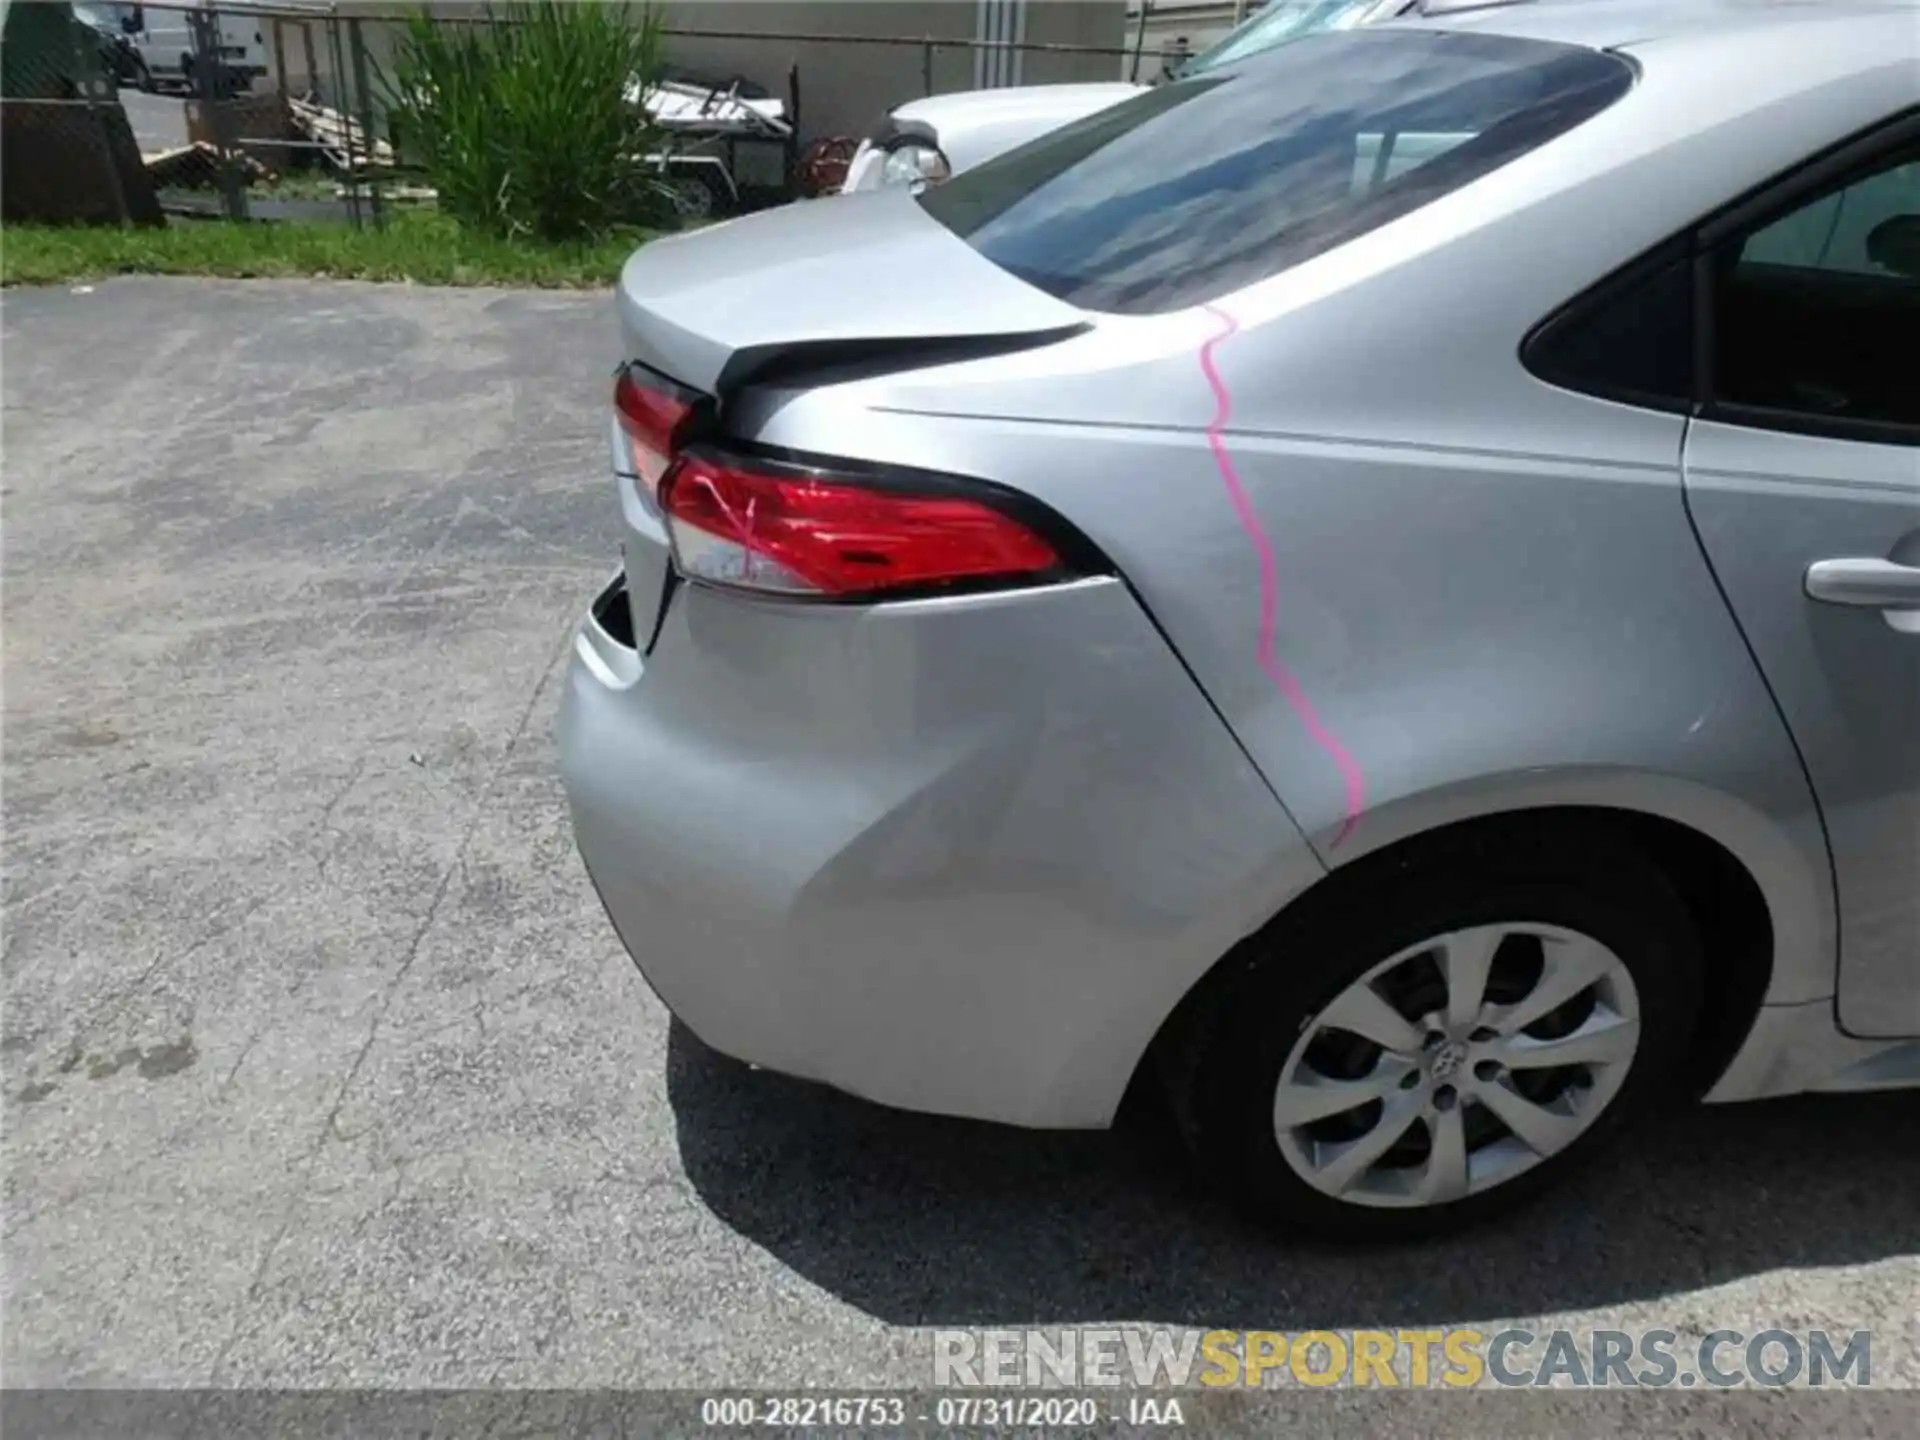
[
  {"x": 423, "y": 247},
  {"x": 523, "y": 126}
]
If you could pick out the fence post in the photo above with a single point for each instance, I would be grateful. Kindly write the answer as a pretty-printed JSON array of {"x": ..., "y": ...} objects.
[
  {"x": 365, "y": 96},
  {"x": 926, "y": 66},
  {"x": 205, "y": 28},
  {"x": 337, "y": 98},
  {"x": 790, "y": 150}
]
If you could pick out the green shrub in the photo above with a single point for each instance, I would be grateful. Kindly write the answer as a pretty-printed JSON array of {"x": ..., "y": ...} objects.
[{"x": 523, "y": 123}]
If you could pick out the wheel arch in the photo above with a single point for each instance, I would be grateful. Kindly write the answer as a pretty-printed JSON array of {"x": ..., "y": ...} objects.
[
  {"x": 1761, "y": 911},
  {"x": 1784, "y": 861}
]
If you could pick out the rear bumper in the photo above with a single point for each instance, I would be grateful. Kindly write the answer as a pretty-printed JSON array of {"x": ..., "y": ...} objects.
[{"x": 958, "y": 855}]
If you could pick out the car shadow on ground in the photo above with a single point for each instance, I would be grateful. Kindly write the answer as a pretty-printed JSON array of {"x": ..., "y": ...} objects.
[{"x": 927, "y": 1221}]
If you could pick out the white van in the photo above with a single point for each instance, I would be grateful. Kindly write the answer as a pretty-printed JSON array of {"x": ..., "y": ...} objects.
[{"x": 163, "y": 46}]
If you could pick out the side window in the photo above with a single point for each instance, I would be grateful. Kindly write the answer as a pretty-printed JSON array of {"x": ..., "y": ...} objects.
[
  {"x": 1629, "y": 339},
  {"x": 1836, "y": 231},
  {"x": 1816, "y": 312}
]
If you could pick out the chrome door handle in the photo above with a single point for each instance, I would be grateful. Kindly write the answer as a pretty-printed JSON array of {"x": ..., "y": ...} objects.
[
  {"x": 1879, "y": 584},
  {"x": 1864, "y": 582}
]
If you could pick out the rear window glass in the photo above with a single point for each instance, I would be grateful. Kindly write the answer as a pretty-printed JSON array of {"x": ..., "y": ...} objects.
[
  {"x": 1281, "y": 21},
  {"x": 1204, "y": 185}
]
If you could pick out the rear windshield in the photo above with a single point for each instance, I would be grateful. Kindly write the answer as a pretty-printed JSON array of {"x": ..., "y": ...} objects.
[{"x": 1208, "y": 184}]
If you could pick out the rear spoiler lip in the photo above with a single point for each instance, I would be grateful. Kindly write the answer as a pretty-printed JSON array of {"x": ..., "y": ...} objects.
[
  {"x": 775, "y": 363},
  {"x": 769, "y": 364},
  {"x": 705, "y": 366}
]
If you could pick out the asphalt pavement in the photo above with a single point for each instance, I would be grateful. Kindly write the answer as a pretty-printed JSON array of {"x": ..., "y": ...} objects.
[
  {"x": 159, "y": 121},
  {"x": 322, "y": 1067}
]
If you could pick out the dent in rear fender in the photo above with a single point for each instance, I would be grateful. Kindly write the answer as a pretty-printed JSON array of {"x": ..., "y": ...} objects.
[{"x": 964, "y": 855}]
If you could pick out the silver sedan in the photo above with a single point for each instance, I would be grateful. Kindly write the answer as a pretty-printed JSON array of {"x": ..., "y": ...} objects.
[{"x": 1375, "y": 591}]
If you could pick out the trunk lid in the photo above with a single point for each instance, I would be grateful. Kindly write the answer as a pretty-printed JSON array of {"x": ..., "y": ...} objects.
[
  {"x": 821, "y": 281},
  {"x": 848, "y": 274}
]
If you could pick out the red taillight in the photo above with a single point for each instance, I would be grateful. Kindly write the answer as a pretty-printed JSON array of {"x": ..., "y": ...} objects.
[
  {"x": 798, "y": 534},
  {"x": 655, "y": 423}
]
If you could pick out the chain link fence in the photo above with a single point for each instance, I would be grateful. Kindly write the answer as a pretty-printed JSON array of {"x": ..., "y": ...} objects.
[
  {"x": 67, "y": 152},
  {"x": 257, "y": 112},
  {"x": 118, "y": 112}
]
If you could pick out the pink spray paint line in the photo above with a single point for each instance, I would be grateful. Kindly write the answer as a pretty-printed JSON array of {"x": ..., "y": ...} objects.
[{"x": 1284, "y": 680}]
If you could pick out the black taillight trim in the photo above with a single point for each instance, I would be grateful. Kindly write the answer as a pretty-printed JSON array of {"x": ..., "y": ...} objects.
[{"x": 650, "y": 379}]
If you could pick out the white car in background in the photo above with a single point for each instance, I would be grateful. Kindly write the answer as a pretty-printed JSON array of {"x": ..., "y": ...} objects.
[{"x": 930, "y": 139}]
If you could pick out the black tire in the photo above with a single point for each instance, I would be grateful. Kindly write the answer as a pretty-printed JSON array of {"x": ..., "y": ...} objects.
[
  {"x": 696, "y": 197},
  {"x": 1591, "y": 881},
  {"x": 142, "y": 77}
]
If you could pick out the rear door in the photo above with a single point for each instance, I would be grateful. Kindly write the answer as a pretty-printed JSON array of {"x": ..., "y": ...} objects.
[{"x": 1803, "y": 478}]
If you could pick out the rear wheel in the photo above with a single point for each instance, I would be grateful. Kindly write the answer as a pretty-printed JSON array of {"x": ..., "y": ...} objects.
[
  {"x": 1460, "y": 1038},
  {"x": 695, "y": 197}
]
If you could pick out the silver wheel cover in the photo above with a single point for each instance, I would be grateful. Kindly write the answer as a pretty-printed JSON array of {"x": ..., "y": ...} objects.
[{"x": 1456, "y": 1065}]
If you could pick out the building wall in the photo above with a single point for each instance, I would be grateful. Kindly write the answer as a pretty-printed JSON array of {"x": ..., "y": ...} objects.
[
  {"x": 1075, "y": 22},
  {"x": 1004, "y": 25},
  {"x": 1180, "y": 27},
  {"x": 844, "y": 86}
]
